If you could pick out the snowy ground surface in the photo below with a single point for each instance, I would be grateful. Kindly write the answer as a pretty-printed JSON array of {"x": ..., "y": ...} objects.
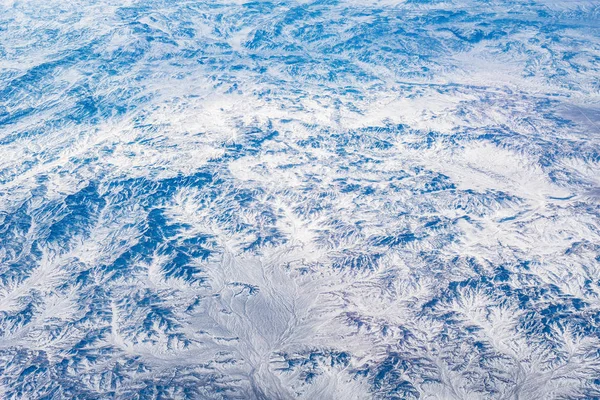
[{"x": 319, "y": 200}]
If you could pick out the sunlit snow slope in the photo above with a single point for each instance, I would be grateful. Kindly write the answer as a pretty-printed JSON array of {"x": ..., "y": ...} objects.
[{"x": 300, "y": 199}]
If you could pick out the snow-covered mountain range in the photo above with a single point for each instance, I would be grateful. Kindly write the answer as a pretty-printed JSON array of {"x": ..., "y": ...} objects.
[{"x": 300, "y": 199}]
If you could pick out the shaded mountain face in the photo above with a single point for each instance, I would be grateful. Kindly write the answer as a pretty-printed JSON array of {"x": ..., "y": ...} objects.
[{"x": 299, "y": 199}]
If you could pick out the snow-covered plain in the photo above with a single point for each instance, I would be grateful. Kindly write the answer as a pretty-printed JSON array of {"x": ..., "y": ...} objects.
[{"x": 300, "y": 199}]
